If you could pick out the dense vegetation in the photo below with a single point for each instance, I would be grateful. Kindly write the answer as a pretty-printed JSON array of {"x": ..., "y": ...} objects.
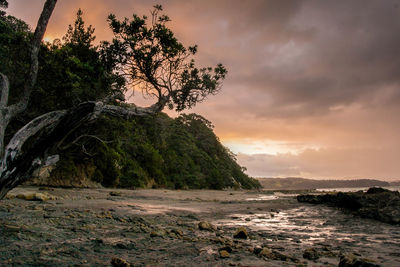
[{"x": 154, "y": 151}]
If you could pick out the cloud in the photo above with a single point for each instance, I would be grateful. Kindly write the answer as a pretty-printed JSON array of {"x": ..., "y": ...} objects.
[
  {"x": 326, "y": 163},
  {"x": 315, "y": 73}
]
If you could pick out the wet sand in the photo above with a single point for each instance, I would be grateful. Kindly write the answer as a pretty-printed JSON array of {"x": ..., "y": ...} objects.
[{"x": 90, "y": 227}]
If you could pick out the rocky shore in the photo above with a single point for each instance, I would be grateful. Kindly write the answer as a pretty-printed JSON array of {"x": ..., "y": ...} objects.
[
  {"x": 377, "y": 203},
  {"x": 101, "y": 227}
]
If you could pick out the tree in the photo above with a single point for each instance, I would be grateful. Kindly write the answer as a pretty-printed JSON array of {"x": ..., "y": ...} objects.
[
  {"x": 3, "y": 4},
  {"x": 148, "y": 56},
  {"x": 151, "y": 59},
  {"x": 77, "y": 34}
]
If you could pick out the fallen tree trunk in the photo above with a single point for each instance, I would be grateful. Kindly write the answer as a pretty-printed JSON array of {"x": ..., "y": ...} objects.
[{"x": 49, "y": 132}]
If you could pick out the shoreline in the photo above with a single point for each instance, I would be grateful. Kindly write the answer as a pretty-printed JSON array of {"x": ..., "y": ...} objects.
[{"x": 160, "y": 227}]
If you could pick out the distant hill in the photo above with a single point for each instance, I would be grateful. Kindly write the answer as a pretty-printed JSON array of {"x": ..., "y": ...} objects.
[{"x": 302, "y": 183}]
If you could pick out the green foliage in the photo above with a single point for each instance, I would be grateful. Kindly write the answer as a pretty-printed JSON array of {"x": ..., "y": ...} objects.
[
  {"x": 71, "y": 72},
  {"x": 153, "y": 60},
  {"x": 14, "y": 41},
  {"x": 144, "y": 152},
  {"x": 77, "y": 34},
  {"x": 3, "y": 4},
  {"x": 159, "y": 151}
]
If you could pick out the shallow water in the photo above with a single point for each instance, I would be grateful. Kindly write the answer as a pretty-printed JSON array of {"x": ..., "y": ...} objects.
[{"x": 312, "y": 225}]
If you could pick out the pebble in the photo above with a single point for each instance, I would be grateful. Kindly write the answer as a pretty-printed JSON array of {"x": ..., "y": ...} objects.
[
  {"x": 224, "y": 254},
  {"x": 206, "y": 226},
  {"x": 241, "y": 233}
]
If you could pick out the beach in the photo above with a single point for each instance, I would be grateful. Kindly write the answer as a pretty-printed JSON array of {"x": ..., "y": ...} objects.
[{"x": 94, "y": 227}]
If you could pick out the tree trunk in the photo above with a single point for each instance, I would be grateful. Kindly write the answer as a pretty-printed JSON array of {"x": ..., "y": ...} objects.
[
  {"x": 46, "y": 133},
  {"x": 7, "y": 113},
  {"x": 49, "y": 132}
]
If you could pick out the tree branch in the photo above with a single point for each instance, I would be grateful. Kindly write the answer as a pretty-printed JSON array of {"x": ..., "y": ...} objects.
[
  {"x": 22, "y": 104},
  {"x": 5, "y": 90}
]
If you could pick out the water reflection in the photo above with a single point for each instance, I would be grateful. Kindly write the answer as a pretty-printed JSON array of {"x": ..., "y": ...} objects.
[{"x": 311, "y": 225}]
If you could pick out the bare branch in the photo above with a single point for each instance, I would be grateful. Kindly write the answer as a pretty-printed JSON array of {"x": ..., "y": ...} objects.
[
  {"x": 75, "y": 142},
  {"x": 30, "y": 129},
  {"x": 35, "y": 47},
  {"x": 5, "y": 90}
]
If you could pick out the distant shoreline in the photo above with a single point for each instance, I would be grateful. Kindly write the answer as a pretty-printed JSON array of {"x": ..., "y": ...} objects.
[{"x": 294, "y": 183}]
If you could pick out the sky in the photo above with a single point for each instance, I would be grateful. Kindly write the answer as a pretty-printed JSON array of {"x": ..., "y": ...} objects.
[{"x": 313, "y": 88}]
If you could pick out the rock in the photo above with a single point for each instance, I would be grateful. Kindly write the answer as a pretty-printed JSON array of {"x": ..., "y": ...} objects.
[
  {"x": 206, "y": 226},
  {"x": 272, "y": 255},
  {"x": 241, "y": 233},
  {"x": 46, "y": 177},
  {"x": 257, "y": 250},
  {"x": 177, "y": 232},
  {"x": 351, "y": 260},
  {"x": 377, "y": 203},
  {"x": 157, "y": 233},
  {"x": 226, "y": 248},
  {"x": 118, "y": 262},
  {"x": 115, "y": 193},
  {"x": 311, "y": 254},
  {"x": 45, "y": 188},
  {"x": 376, "y": 190},
  {"x": 9, "y": 196},
  {"x": 224, "y": 254},
  {"x": 35, "y": 196}
]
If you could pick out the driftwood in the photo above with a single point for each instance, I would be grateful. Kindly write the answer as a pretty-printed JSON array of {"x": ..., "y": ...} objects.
[{"x": 55, "y": 127}]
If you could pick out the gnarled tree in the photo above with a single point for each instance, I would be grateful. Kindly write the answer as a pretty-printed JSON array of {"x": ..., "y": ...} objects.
[{"x": 149, "y": 58}]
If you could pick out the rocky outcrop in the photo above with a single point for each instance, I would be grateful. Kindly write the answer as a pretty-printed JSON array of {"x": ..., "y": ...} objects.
[
  {"x": 46, "y": 177},
  {"x": 35, "y": 196},
  {"x": 350, "y": 260},
  {"x": 377, "y": 203}
]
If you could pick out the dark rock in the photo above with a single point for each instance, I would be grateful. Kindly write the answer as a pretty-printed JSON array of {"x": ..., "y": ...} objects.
[
  {"x": 375, "y": 190},
  {"x": 118, "y": 262},
  {"x": 257, "y": 250},
  {"x": 311, "y": 254},
  {"x": 115, "y": 193},
  {"x": 241, "y": 233},
  {"x": 351, "y": 260},
  {"x": 377, "y": 203},
  {"x": 226, "y": 248}
]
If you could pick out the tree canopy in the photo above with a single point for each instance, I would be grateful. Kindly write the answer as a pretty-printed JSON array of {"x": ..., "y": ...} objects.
[
  {"x": 148, "y": 55},
  {"x": 63, "y": 101}
]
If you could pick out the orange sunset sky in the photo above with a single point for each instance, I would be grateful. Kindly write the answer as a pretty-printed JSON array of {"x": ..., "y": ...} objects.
[{"x": 313, "y": 88}]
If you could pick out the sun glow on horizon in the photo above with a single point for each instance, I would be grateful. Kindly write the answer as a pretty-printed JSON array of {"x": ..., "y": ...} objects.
[{"x": 270, "y": 147}]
